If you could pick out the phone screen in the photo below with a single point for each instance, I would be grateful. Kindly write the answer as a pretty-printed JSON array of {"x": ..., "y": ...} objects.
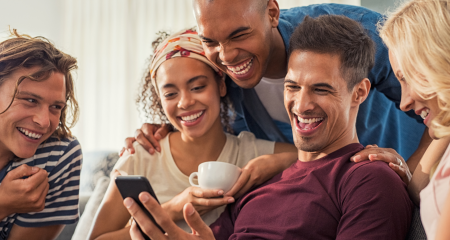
[{"x": 132, "y": 186}]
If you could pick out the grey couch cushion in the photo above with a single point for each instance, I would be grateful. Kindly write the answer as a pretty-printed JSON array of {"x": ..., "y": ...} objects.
[{"x": 416, "y": 230}]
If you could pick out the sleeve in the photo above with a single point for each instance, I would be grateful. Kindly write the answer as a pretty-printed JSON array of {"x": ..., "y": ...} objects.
[
  {"x": 375, "y": 204},
  {"x": 129, "y": 164},
  {"x": 61, "y": 203},
  {"x": 260, "y": 146}
]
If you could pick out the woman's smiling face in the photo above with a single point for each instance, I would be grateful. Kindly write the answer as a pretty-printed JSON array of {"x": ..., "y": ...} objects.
[
  {"x": 190, "y": 95},
  {"x": 428, "y": 109},
  {"x": 33, "y": 115}
]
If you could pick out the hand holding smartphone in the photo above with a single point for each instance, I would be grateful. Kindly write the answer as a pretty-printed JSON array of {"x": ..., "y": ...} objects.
[{"x": 132, "y": 186}]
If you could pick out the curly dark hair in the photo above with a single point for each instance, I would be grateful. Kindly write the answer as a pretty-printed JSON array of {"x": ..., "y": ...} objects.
[
  {"x": 23, "y": 51},
  {"x": 149, "y": 102}
]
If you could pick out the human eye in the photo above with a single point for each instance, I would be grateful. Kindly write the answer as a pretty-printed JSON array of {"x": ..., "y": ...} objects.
[
  {"x": 209, "y": 43},
  {"x": 169, "y": 95},
  {"x": 198, "y": 88},
  {"x": 321, "y": 91},
  {"x": 291, "y": 87},
  {"x": 58, "y": 107},
  {"x": 29, "y": 100},
  {"x": 240, "y": 36}
]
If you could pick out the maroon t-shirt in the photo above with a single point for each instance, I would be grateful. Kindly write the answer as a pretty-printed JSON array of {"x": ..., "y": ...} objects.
[{"x": 329, "y": 198}]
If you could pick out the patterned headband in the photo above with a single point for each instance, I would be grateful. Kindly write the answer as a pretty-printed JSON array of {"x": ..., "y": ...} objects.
[{"x": 185, "y": 43}]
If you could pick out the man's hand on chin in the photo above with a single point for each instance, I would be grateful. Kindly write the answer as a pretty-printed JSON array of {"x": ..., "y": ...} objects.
[{"x": 199, "y": 229}]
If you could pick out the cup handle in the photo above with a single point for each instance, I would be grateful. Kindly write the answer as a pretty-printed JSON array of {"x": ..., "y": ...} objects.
[{"x": 191, "y": 178}]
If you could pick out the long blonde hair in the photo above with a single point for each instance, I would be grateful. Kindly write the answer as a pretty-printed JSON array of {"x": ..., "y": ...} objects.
[{"x": 418, "y": 34}]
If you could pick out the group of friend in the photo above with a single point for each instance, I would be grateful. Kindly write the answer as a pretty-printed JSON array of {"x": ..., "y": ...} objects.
[{"x": 308, "y": 101}]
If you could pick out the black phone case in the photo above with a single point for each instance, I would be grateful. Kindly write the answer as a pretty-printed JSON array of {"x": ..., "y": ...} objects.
[{"x": 132, "y": 186}]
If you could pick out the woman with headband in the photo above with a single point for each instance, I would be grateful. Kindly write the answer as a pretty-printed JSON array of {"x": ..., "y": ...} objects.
[{"x": 185, "y": 88}]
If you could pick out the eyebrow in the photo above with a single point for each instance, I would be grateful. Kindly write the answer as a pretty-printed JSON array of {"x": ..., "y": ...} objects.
[
  {"x": 289, "y": 81},
  {"x": 235, "y": 32},
  {"x": 170, "y": 85},
  {"x": 37, "y": 96},
  {"x": 325, "y": 85}
]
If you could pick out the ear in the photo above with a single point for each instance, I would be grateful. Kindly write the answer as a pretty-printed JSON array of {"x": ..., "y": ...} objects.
[
  {"x": 274, "y": 12},
  {"x": 360, "y": 92},
  {"x": 222, "y": 86}
]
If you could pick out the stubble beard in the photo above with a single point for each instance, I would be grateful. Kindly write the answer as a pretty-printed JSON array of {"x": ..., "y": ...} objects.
[{"x": 305, "y": 144}]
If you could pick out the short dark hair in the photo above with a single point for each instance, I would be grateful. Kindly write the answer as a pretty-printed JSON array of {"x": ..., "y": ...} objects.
[{"x": 337, "y": 35}]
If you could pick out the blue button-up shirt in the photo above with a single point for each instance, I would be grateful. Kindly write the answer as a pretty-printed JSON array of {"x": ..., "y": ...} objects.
[{"x": 379, "y": 121}]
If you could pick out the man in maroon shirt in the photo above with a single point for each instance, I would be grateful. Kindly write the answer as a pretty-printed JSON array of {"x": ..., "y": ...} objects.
[{"x": 323, "y": 195}]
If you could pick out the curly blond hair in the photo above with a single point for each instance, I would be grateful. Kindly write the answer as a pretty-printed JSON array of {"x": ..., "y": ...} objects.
[
  {"x": 418, "y": 34},
  {"x": 23, "y": 51}
]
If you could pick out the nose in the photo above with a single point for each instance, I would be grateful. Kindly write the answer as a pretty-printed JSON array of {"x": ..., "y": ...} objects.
[
  {"x": 406, "y": 102},
  {"x": 186, "y": 101},
  {"x": 42, "y": 118},
  {"x": 303, "y": 102},
  {"x": 227, "y": 53}
]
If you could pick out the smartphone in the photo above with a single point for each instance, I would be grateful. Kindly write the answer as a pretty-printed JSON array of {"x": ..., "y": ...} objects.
[{"x": 132, "y": 186}]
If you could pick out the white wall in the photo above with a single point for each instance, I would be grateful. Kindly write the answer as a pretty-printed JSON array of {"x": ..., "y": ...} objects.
[
  {"x": 33, "y": 17},
  {"x": 111, "y": 40}
]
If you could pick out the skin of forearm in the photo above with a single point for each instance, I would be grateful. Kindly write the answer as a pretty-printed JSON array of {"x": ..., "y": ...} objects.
[
  {"x": 421, "y": 176},
  {"x": 416, "y": 157},
  {"x": 123, "y": 233}
]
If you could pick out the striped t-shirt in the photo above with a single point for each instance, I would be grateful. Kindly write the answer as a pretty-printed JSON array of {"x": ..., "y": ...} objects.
[{"x": 62, "y": 160}]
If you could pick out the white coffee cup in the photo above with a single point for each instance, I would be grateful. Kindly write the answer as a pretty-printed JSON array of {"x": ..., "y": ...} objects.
[{"x": 216, "y": 175}]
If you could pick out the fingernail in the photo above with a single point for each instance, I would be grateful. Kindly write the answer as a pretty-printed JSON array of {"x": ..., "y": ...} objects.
[
  {"x": 220, "y": 192},
  {"x": 373, "y": 155},
  {"x": 158, "y": 135},
  {"x": 158, "y": 149},
  {"x": 144, "y": 197},
  {"x": 34, "y": 169},
  {"x": 128, "y": 202},
  {"x": 151, "y": 151},
  {"x": 190, "y": 211},
  {"x": 356, "y": 158},
  {"x": 231, "y": 200}
]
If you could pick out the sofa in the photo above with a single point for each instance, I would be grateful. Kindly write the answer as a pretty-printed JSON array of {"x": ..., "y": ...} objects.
[{"x": 94, "y": 180}]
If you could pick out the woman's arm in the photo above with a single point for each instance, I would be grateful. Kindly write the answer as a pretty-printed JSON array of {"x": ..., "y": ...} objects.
[
  {"x": 421, "y": 175},
  {"x": 112, "y": 216}
]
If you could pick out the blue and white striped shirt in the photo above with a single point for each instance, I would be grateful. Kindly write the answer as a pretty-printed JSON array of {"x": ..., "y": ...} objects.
[{"x": 62, "y": 160}]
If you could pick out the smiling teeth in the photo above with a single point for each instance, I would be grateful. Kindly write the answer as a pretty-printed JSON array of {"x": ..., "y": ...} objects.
[
  {"x": 30, "y": 134},
  {"x": 242, "y": 69},
  {"x": 309, "y": 120},
  {"x": 424, "y": 113},
  {"x": 192, "y": 117}
]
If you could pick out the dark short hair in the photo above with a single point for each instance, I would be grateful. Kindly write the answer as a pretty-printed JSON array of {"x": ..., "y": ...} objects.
[{"x": 337, "y": 35}]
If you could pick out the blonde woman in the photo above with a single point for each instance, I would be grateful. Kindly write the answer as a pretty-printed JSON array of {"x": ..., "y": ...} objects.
[{"x": 418, "y": 37}]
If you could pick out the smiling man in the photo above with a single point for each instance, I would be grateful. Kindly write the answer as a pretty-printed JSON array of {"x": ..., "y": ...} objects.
[
  {"x": 323, "y": 195},
  {"x": 249, "y": 41}
]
